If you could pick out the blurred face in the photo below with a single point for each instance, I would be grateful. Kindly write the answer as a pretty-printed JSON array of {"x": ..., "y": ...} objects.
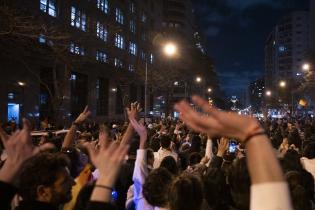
[{"x": 61, "y": 190}]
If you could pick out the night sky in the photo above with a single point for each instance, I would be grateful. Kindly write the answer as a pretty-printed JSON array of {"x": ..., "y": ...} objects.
[{"x": 235, "y": 32}]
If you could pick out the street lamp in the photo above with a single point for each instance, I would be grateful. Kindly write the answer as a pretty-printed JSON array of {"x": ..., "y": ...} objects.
[
  {"x": 306, "y": 67},
  {"x": 169, "y": 49},
  {"x": 268, "y": 93},
  {"x": 209, "y": 90},
  {"x": 282, "y": 84},
  {"x": 198, "y": 79},
  {"x": 21, "y": 83}
]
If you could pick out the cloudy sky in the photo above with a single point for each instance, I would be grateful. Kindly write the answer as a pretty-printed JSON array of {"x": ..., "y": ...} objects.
[{"x": 235, "y": 32}]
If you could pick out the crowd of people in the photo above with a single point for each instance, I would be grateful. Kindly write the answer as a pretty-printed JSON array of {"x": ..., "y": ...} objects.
[{"x": 207, "y": 160}]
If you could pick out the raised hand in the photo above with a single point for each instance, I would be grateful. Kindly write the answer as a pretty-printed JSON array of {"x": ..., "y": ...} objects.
[
  {"x": 223, "y": 145},
  {"x": 133, "y": 110},
  {"x": 217, "y": 123},
  {"x": 19, "y": 148},
  {"x": 108, "y": 160},
  {"x": 83, "y": 116},
  {"x": 141, "y": 130}
]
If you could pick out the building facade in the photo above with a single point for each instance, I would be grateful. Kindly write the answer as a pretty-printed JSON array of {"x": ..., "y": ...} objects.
[
  {"x": 256, "y": 91},
  {"x": 285, "y": 50},
  {"x": 108, "y": 46},
  {"x": 312, "y": 24}
]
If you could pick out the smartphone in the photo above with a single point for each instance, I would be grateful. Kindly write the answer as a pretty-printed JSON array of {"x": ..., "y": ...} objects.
[{"x": 232, "y": 146}]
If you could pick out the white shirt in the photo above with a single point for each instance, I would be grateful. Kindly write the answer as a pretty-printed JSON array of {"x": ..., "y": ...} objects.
[
  {"x": 139, "y": 174},
  {"x": 271, "y": 196}
]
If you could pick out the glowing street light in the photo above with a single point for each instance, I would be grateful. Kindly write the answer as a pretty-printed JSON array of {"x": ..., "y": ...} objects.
[
  {"x": 21, "y": 83},
  {"x": 198, "y": 79},
  {"x": 306, "y": 67},
  {"x": 176, "y": 83},
  {"x": 209, "y": 90},
  {"x": 268, "y": 93},
  {"x": 170, "y": 49},
  {"x": 282, "y": 84},
  {"x": 114, "y": 89}
]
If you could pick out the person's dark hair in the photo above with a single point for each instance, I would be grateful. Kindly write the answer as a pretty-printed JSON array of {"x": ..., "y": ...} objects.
[
  {"x": 194, "y": 158},
  {"x": 156, "y": 187},
  {"x": 195, "y": 144},
  {"x": 155, "y": 144},
  {"x": 169, "y": 163},
  {"x": 291, "y": 161},
  {"x": 165, "y": 142},
  {"x": 186, "y": 193},
  {"x": 294, "y": 138},
  {"x": 239, "y": 181},
  {"x": 216, "y": 191},
  {"x": 41, "y": 169},
  {"x": 298, "y": 193},
  {"x": 309, "y": 150}
]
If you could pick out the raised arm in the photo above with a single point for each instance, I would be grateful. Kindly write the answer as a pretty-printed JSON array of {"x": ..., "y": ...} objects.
[
  {"x": 132, "y": 112},
  {"x": 108, "y": 159},
  {"x": 263, "y": 165},
  {"x": 69, "y": 138},
  {"x": 19, "y": 148}
]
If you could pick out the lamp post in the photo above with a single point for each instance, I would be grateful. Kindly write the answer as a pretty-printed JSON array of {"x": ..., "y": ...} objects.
[
  {"x": 22, "y": 85},
  {"x": 169, "y": 49}
]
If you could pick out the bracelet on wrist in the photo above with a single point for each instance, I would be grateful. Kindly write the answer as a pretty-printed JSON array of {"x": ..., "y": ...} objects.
[
  {"x": 251, "y": 136},
  {"x": 104, "y": 187}
]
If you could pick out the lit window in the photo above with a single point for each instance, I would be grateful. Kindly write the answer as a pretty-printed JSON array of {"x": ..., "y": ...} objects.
[
  {"x": 78, "y": 19},
  {"x": 143, "y": 55},
  {"x": 76, "y": 49},
  {"x": 132, "y": 7},
  {"x": 119, "y": 41},
  {"x": 131, "y": 67},
  {"x": 43, "y": 98},
  {"x": 73, "y": 77},
  {"x": 133, "y": 26},
  {"x": 133, "y": 48},
  {"x": 103, "y": 5},
  {"x": 42, "y": 39},
  {"x": 143, "y": 17},
  {"x": 101, "y": 31},
  {"x": 143, "y": 36},
  {"x": 151, "y": 58},
  {"x": 48, "y": 6},
  {"x": 119, "y": 16},
  {"x": 118, "y": 63},
  {"x": 282, "y": 49},
  {"x": 101, "y": 56},
  {"x": 11, "y": 95}
]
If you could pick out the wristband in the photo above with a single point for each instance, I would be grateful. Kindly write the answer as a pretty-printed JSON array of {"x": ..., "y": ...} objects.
[
  {"x": 249, "y": 137},
  {"x": 104, "y": 187}
]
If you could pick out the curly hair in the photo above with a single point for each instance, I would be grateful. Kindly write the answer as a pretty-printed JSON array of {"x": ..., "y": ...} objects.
[{"x": 41, "y": 169}]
